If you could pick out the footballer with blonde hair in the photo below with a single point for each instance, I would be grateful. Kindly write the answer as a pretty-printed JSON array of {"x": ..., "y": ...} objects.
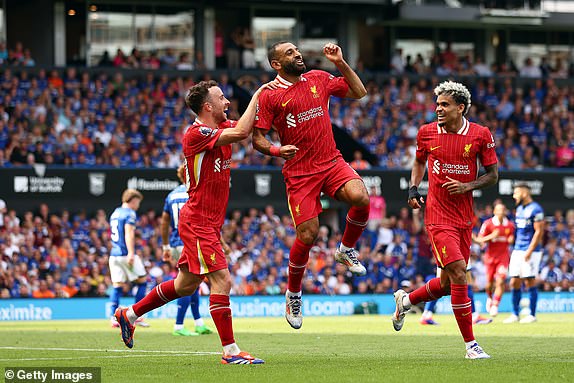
[{"x": 452, "y": 146}]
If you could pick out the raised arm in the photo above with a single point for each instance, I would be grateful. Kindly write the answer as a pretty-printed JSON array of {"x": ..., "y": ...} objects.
[
  {"x": 245, "y": 124},
  {"x": 356, "y": 88}
]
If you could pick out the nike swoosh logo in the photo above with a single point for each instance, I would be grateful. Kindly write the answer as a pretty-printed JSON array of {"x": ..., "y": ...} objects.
[
  {"x": 284, "y": 104},
  {"x": 465, "y": 314},
  {"x": 436, "y": 147}
]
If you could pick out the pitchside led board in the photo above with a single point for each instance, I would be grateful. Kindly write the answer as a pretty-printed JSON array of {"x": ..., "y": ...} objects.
[
  {"x": 90, "y": 189},
  {"x": 256, "y": 306}
]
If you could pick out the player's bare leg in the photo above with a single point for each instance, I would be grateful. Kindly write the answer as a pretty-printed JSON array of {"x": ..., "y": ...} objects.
[
  {"x": 500, "y": 281},
  {"x": 488, "y": 289}
]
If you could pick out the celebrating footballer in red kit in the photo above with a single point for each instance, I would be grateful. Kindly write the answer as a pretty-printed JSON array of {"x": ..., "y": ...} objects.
[
  {"x": 299, "y": 111},
  {"x": 207, "y": 151},
  {"x": 498, "y": 233},
  {"x": 452, "y": 146}
]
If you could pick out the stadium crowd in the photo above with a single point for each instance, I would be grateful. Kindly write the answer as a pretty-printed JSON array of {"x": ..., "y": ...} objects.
[
  {"x": 83, "y": 119},
  {"x": 47, "y": 254}
]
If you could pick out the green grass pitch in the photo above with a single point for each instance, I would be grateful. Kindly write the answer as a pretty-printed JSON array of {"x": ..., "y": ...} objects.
[{"x": 326, "y": 349}]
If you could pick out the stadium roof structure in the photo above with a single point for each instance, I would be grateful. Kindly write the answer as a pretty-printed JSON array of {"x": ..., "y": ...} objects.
[{"x": 513, "y": 16}]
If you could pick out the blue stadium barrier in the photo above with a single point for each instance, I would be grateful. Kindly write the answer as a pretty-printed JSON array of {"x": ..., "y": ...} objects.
[{"x": 252, "y": 306}]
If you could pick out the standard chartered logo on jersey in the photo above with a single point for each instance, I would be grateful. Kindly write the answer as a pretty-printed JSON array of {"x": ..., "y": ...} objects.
[
  {"x": 438, "y": 168},
  {"x": 310, "y": 114},
  {"x": 307, "y": 115},
  {"x": 290, "y": 119}
]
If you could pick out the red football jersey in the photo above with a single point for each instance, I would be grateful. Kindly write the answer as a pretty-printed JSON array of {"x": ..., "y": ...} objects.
[
  {"x": 207, "y": 172},
  {"x": 455, "y": 156},
  {"x": 300, "y": 114},
  {"x": 498, "y": 246}
]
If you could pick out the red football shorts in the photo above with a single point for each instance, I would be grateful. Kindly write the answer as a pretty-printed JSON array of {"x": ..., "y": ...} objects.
[
  {"x": 304, "y": 192},
  {"x": 496, "y": 267},
  {"x": 202, "y": 251},
  {"x": 449, "y": 243}
]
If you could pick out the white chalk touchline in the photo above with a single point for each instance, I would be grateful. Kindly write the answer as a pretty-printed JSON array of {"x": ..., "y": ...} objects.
[
  {"x": 99, "y": 357},
  {"x": 110, "y": 350}
]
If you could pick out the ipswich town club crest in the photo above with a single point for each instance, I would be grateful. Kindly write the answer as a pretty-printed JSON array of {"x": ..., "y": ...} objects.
[{"x": 97, "y": 183}]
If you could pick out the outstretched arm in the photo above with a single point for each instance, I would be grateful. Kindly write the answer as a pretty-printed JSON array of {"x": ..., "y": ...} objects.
[
  {"x": 245, "y": 124},
  {"x": 356, "y": 88}
]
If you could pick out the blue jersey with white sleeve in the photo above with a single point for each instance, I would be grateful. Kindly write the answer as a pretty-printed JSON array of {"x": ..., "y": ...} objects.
[
  {"x": 173, "y": 204},
  {"x": 526, "y": 215},
  {"x": 120, "y": 217}
]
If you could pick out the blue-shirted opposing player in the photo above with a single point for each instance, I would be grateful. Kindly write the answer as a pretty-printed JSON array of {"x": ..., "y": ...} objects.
[
  {"x": 172, "y": 248},
  {"x": 527, "y": 253},
  {"x": 125, "y": 265}
]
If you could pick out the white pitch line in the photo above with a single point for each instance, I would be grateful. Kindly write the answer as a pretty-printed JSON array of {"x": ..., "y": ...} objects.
[
  {"x": 98, "y": 357},
  {"x": 110, "y": 350}
]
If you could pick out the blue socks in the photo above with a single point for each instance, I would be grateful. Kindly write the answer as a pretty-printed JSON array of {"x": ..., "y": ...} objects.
[
  {"x": 182, "y": 305},
  {"x": 533, "y": 300},
  {"x": 140, "y": 293},
  {"x": 194, "y": 302},
  {"x": 516, "y": 296},
  {"x": 115, "y": 298},
  {"x": 471, "y": 296},
  {"x": 431, "y": 306}
]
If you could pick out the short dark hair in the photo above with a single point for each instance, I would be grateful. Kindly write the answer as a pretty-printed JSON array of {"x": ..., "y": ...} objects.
[
  {"x": 523, "y": 185},
  {"x": 197, "y": 95},
  {"x": 272, "y": 51}
]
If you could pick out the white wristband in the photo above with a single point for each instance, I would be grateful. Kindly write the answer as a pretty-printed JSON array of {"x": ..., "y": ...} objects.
[{"x": 166, "y": 247}]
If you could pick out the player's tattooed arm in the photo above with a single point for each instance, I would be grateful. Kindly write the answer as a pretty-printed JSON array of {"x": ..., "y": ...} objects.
[{"x": 487, "y": 179}]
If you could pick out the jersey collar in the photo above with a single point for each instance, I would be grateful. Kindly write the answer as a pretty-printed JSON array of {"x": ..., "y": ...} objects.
[
  {"x": 462, "y": 131},
  {"x": 284, "y": 83},
  {"x": 497, "y": 222}
]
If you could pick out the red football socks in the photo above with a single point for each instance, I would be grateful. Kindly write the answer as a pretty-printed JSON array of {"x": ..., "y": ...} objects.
[
  {"x": 462, "y": 308},
  {"x": 298, "y": 257},
  {"x": 496, "y": 300},
  {"x": 159, "y": 296},
  {"x": 357, "y": 219},
  {"x": 429, "y": 292},
  {"x": 221, "y": 315}
]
